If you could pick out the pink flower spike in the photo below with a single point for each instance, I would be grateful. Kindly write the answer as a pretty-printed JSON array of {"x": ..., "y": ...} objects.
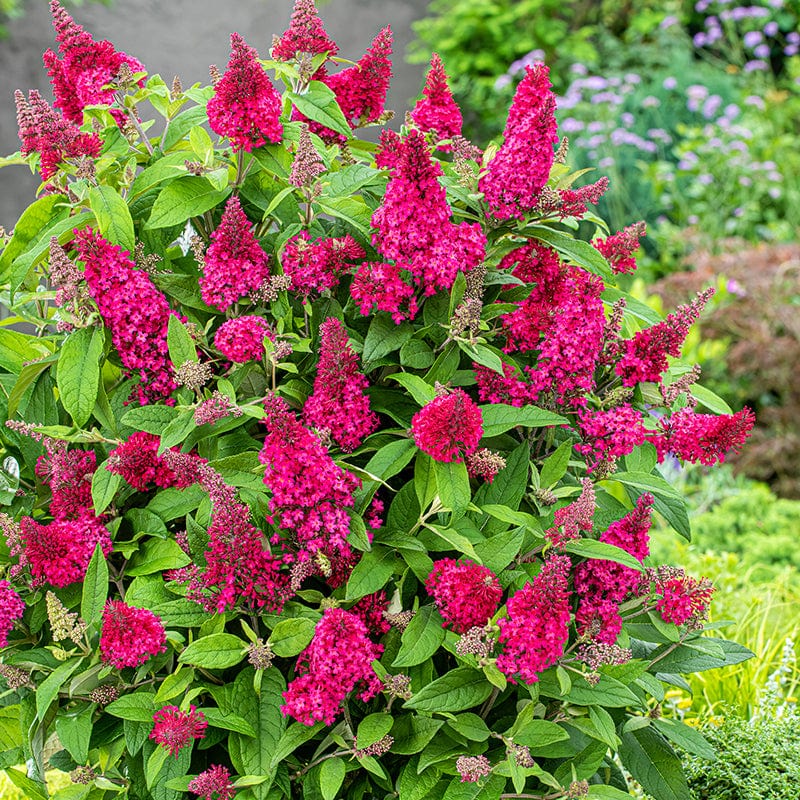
[
  {"x": 305, "y": 35},
  {"x": 80, "y": 77},
  {"x": 174, "y": 729},
  {"x": 437, "y": 111},
  {"x": 466, "y": 594},
  {"x": 574, "y": 519},
  {"x": 338, "y": 403},
  {"x": 537, "y": 626},
  {"x": 12, "y": 607},
  {"x": 521, "y": 168},
  {"x": 213, "y": 784},
  {"x": 317, "y": 266},
  {"x": 241, "y": 339},
  {"x": 620, "y": 247},
  {"x": 338, "y": 661},
  {"x": 234, "y": 264},
  {"x": 449, "y": 427},
  {"x": 245, "y": 107},
  {"x": 130, "y": 636}
]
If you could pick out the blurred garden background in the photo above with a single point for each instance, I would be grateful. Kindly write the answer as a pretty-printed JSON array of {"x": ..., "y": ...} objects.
[{"x": 692, "y": 109}]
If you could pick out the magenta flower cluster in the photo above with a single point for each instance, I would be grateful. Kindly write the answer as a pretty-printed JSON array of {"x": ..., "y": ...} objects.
[
  {"x": 449, "y": 427},
  {"x": 466, "y": 594},
  {"x": 130, "y": 636}
]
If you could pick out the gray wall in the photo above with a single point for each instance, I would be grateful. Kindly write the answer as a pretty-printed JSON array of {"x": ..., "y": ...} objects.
[{"x": 184, "y": 37}]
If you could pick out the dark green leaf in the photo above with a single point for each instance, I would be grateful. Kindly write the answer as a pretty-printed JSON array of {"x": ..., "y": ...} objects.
[
  {"x": 104, "y": 486},
  {"x": 373, "y": 728},
  {"x": 653, "y": 763},
  {"x": 78, "y": 372},
  {"x": 412, "y": 733},
  {"x": 540, "y": 733},
  {"x": 421, "y": 639},
  {"x": 384, "y": 336},
  {"x": 137, "y": 707},
  {"x": 694, "y": 657},
  {"x": 458, "y": 690},
  {"x": 688, "y": 739},
  {"x": 180, "y": 344},
  {"x": 490, "y": 789},
  {"x": 602, "y": 551},
  {"x": 452, "y": 483},
  {"x": 217, "y": 651},
  {"x": 371, "y": 573},
  {"x": 291, "y": 636},
  {"x": 49, "y": 688},
  {"x": 229, "y": 722},
  {"x": 574, "y": 250},
  {"x": 416, "y": 354},
  {"x": 293, "y": 737},
  {"x": 151, "y": 419},
  {"x": 499, "y": 418},
  {"x": 555, "y": 465},
  {"x": 95, "y": 587},
  {"x": 331, "y": 777}
]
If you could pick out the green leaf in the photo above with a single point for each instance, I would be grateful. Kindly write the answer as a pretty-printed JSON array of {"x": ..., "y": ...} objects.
[
  {"x": 256, "y": 755},
  {"x": 274, "y": 158},
  {"x": 27, "y": 378},
  {"x": 452, "y": 483},
  {"x": 499, "y": 418},
  {"x": 95, "y": 588},
  {"x": 293, "y": 737},
  {"x": 602, "y": 792},
  {"x": 181, "y": 613},
  {"x": 458, "y": 690},
  {"x": 217, "y": 651},
  {"x": 422, "y": 392},
  {"x": 49, "y": 688},
  {"x": 668, "y": 502},
  {"x": 421, "y": 639},
  {"x": 713, "y": 402},
  {"x": 484, "y": 356},
  {"x": 695, "y": 657},
  {"x": 28, "y": 227},
  {"x": 331, "y": 777},
  {"x": 371, "y": 573},
  {"x": 167, "y": 168},
  {"x": 602, "y": 551},
  {"x": 384, "y": 336},
  {"x": 180, "y": 344},
  {"x": 229, "y": 722},
  {"x": 319, "y": 103},
  {"x": 412, "y": 786},
  {"x": 555, "y": 465},
  {"x": 489, "y": 789},
  {"x": 104, "y": 486},
  {"x": 74, "y": 732},
  {"x": 113, "y": 216},
  {"x": 33, "y": 791},
  {"x": 78, "y": 372},
  {"x": 291, "y": 636},
  {"x": 574, "y": 250},
  {"x": 175, "y": 684},
  {"x": 373, "y": 728},
  {"x": 151, "y": 419},
  {"x": 136, "y": 707},
  {"x": 351, "y": 209},
  {"x": 156, "y": 555},
  {"x": 416, "y": 354},
  {"x": 604, "y": 725},
  {"x": 189, "y": 196},
  {"x": 507, "y": 489},
  {"x": 688, "y": 739},
  {"x": 540, "y": 733},
  {"x": 412, "y": 733},
  {"x": 471, "y": 726},
  {"x": 653, "y": 763}
]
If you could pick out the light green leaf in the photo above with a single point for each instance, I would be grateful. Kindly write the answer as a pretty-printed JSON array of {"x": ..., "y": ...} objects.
[
  {"x": 217, "y": 651},
  {"x": 104, "y": 486},
  {"x": 574, "y": 250},
  {"x": 499, "y": 418},
  {"x": 95, "y": 587},
  {"x": 331, "y": 777},
  {"x": 421, "y": 391},
  {"x": 291, "y": 636},
  {"x": 319, "y": 103},
  {"x": 49, "y": 688},
  {"x": 421, "y": 639},
  {"x": 602, "y": 551},
  {"x": 458, "y": 690},
  {"x": 113, "y": 216},
  {"x": 452, "y": 483},
  {"x": 189, "y": 196},
  {"x": 371, "y": 573},
  {"x": 373, "y": 728},
  {"x": 136, "y": 707},
  {"x": 78, "y": 372},
  {"x": 180, "y": 344}
]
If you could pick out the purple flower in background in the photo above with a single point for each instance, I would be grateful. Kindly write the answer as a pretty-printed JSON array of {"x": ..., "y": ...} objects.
[
  {"x": 572, "y": 125},
  {"x": 670, "y": 83},
  {"x": 752, "y": 38},
  {"x": 793, "y": 37},
  {"x": 762, "y": 51},
  {"x": 744, "y": 180},
  {"x": 774, "y": 192},
  {"x": 755, "y": 101},
  {"x": 627, "y": 119},
  {"x": 606, "y": 162},
  {"x": 791, "y": 50},
  {"x": 771, "y": 28},
  {"x": 700, "y": 39},
  {"x": 756, "y": 65},
  {"x": 735, "y": 288},
  {"x": 705, "y": 179},
  {"x": 595, "y": 126},
  {"x": 502, "y": 82},
  {"x": 651, "y": 102},
  {"x": 668, "y": 22},
  {"x": 732, "y": 111},
  {"x": 711, "y": 106},
  {"x": 596, "y": 83},
  {"x": 701, "y": 5},
  {"x": 578, "y": 69},
  {"x": 738, "y": 212},
  {"x": 693, "y": 219}
]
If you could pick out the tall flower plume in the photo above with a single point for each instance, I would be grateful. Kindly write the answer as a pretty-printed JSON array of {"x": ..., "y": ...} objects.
[
  {"x": 310, "y": 493},
  {"x": 520, "y": 169},
  {"x": 338, "y": 403},
  {"x": 241, "y": 339},
  {"x": 246, "y": 106},
  {"x": 133, "y": 309},
  {"x": 130, "y": 636},
  {"x": 620, "y": 247},
  {"x": 234, "y": 264},
  {"x": 12, "y": 607},
  {"x": 80, "y": 77},
  {"x": 314, "y": 266},
  {"x": 449, "y": 427},
  {"x": 43, "y": 130},
  {"x": 437, "y": 111},
  {"x": 414, "y": 230},
  {"x": 338, "y": 661},
  {"x": 305, "y": 35},
  {"x": 466, "y": 594},
  {"x": 536, "y": 629},
  {"x": 137, "y": 461}
]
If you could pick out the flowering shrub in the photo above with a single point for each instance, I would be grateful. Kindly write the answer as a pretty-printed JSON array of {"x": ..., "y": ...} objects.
[{"x": 329, "y": 468}]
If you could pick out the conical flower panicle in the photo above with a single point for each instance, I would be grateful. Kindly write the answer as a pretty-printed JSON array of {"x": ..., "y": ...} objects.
[
  {"x": 520, "y": 169},
  {"x": 245, "y": 107},
  {"x": 437, "y": 111},
  {"x": 338, "y": 403},
  {"x": 45, "y": 131},
  {"x": 133, "y": 309},
  {"x": 316, "y": 266},
  {"x": 305, "y": 35},
  {"x": 234, "y": 264},
  {"x": 80, "y": 77},
  {"x": 414, "y": 230}
]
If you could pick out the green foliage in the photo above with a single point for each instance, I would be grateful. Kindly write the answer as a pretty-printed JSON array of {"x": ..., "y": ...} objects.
[
  {"x": 232, "y": 650},
  {"x": 757, "y": 759}
]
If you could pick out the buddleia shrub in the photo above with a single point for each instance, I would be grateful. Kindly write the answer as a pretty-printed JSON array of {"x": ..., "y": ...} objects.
[{"x": 329, "y": 467}]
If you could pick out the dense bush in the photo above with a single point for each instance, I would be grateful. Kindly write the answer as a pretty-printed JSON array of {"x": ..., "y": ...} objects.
[{"x": 330, "y": 468}]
